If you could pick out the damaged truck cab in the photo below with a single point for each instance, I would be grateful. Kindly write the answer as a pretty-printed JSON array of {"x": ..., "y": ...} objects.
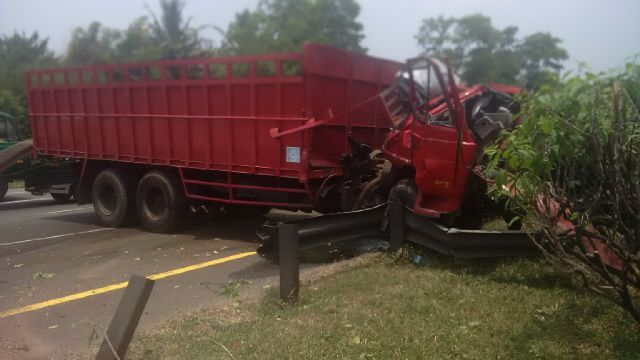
[{"x": 439, "y": 132}]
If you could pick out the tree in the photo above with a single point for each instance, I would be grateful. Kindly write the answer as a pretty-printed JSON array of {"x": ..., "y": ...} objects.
[
  {"x": 169, "y": 36},
  {"x": 92, "y": 46},
  {"x": 19, "y": 53},
  {"x": 174, "y": 35},
  {"x": 541, "y": 56},
  {"x": 572, "y": 170},
  {"x": 136, "y": 43},
  {"x": 284, "y": 25},
  {"x": 485, "y": 54}
]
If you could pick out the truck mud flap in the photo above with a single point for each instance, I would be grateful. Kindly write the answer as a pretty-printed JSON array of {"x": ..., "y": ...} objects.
[
  {"x": 466, "y": 243},
  {"x": 342, "y": 234}
]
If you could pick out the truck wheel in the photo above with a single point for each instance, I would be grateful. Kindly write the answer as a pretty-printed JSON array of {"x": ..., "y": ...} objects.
[
  {"x": 113, "y": 198},
  {"x": 61, "y": 197},
  {"x": 4, "y": 186},
  {"x": 160, "y": 201},
  {"x": 404, "y": 191}
]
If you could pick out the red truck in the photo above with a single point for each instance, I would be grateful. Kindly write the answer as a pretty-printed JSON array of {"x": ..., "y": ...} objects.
[{"x": 324, "y": 129}]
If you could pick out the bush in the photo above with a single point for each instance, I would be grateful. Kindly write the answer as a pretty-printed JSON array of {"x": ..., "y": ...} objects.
[{"x": 571, "y": 171}]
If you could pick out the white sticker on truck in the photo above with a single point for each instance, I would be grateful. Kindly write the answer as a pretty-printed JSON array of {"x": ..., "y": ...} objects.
[{"x": 293, "y": 154}]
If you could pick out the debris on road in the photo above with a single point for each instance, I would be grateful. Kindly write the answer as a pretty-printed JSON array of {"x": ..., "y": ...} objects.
[{"x": 42, "y": 275}]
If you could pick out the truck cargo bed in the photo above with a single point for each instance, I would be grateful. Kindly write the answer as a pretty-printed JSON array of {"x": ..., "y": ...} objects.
[
  {"x": 217, "y": 114},
  {"x": 210, "y": 113}
]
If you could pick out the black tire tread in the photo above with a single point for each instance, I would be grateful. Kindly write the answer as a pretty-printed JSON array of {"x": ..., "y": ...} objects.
[
  {"x": 177, "y": 202},
  {"x": 127, "y": 213}
]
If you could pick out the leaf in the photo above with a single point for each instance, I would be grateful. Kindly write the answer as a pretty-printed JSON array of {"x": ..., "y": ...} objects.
[
  {"x": 574, "y": 216},
  {"x": 547, "y": 125},
  {"x": 42, "y": 275},
  {"x": 513, "y": 220}
]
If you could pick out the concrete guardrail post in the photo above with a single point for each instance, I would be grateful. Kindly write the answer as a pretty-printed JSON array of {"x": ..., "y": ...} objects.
[
  {"x": 289, "y": 262},
  {"x": 126, "y": 318},
  {"x": 396, "y": 225}
]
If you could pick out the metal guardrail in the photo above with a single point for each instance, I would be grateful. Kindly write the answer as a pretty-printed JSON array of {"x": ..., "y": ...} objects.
[
  {"x": 324, "y": 230},
  {"x": 403, "y": 226},
  {"x": 297, "y": 235},
  {"x": 465, "y": 243}
]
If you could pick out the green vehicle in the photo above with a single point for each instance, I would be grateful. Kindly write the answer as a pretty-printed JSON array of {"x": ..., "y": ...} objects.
[
  {"x": 9, "y": 134},
  {"x": 58, "y": 178}
]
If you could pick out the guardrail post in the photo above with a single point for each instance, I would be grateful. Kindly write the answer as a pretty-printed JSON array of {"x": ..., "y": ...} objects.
[
  {"x": 396, "y": 225},
  {"x": 125, "y": 320},
  {"x": 289, "y": 262}
]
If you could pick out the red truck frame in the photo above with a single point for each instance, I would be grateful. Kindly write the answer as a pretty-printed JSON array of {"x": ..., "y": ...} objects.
[{"x": 264, "y": 130}]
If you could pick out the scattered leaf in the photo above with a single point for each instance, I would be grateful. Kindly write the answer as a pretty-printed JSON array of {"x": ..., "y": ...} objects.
[{"x": 42, "y": 275}]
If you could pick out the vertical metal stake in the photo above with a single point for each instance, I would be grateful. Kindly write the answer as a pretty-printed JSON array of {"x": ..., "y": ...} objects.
[
  {"x": 396, "y": 225},
  {"x": 289, "y": 263},
  {"x": 126, "y": 318}
]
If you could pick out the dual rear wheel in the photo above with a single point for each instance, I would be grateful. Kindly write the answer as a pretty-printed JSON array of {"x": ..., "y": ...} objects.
[{"x": 157, "y": 200}]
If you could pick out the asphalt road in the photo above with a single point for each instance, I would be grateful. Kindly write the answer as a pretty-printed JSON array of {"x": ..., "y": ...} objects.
[{"x": 49, "y": 251}]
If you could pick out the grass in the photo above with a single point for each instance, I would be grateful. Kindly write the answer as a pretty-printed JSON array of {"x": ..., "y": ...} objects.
[
  {"x": 232, "y": 288},
  {"x": 16, "y": 184},
  {"x": 389, "y": 308}
]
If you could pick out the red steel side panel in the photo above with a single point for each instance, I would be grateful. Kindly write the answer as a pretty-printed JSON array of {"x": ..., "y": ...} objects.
[
  {"x": 338, "y": 81},
  {"x": 197, "y": 113},
  {"x": 214, "y": 113}
]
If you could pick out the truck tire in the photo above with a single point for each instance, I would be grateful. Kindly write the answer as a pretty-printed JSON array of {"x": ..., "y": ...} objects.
[
  {"x": 4, "y": 186},
  {"x": 404, "y": 191},
  {"x": 113, "y": 198},
  {"x": 160, "y": 201}
]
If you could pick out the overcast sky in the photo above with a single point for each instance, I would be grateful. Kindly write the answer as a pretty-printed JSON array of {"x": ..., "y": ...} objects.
[{"x": 599, "y": 32}]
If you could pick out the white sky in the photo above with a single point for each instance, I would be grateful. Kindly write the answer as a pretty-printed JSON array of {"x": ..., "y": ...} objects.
[{"x": 599, "y": 32}]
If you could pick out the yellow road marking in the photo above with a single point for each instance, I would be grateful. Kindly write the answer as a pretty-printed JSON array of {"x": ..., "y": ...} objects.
[{"x": 113, "y": 287}]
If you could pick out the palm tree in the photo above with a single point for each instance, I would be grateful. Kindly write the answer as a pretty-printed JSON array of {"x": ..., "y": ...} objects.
[{"x": 173, "y": 34}]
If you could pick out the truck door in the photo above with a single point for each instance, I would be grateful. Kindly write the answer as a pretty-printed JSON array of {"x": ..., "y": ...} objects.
[
  {"x": 438, "y": 143},
  {"x": 434, "y": 154}
]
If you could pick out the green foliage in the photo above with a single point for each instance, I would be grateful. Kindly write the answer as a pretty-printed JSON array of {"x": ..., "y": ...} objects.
[
  {"x": 486, "y": 54},
  {"x": 284, "y": 25},
  {"x": 576, "y": 159},
  {"x": 15, "y": 105},
  {"x": 92, "y": 46},
  {"x": 168, "y": 36},
  {"x": 541, "y": 56},
  {"x": 136, "y": 44},
  {"x": 557, "y": 128},
  {"x": 232, "y": 288},
  {"x": 18, "y": 53},
  {"x": 173, "y": 35}
]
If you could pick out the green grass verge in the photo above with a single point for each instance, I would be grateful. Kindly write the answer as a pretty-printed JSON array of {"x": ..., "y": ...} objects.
[
  {"x": 16, "y": 184},
  {"x": 389, "y": 309}
]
